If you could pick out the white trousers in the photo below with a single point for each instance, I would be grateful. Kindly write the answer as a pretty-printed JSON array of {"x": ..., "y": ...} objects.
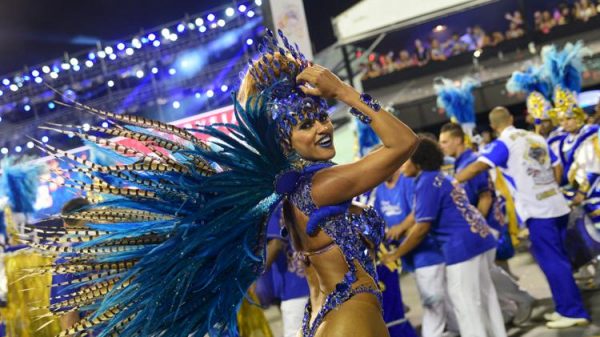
[
  {"x": 431, "y": 283},
  {"x": 474, "y": 297},
  {"x": 292, "y": 313}
]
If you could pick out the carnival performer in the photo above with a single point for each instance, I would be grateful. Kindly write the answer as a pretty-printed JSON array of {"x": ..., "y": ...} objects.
[
  {"x": 464, "y": 239},
  {"x": 186, "y": 234},
  {"x": 524, "y": 157}
]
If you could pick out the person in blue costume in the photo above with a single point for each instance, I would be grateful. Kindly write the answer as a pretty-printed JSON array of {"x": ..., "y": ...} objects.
[
  {"x": 516, "y": 303},
  {"x": 464, "y": 238},
  {"x": 527, "y": 162},
  {"x": 394, "y": 201},
  {"x": 175, "y": 251},
  {"x": 287, "y": 272}
]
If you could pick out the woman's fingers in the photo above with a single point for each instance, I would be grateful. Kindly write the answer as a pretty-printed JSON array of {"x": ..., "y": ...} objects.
[
  {"x": 310, "y": 91},
  {"x": 308, "y": 75}
]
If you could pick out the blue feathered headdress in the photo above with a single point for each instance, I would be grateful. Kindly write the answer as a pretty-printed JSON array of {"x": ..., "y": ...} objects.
[
  {"x": 564, "y": 67},
  {"x": 19, "y": 183},
  {"x": 531, "y": 80},
  {"x": 457, "y": 100}
]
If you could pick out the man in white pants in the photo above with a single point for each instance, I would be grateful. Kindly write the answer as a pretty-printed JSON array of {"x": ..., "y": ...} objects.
[
  {"x": 527, "y": 164},
  {"x": 464, "y": 238}
]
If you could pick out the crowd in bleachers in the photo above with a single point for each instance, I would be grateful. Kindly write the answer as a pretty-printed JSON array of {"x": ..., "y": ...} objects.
[{"x": 582, "y": 10}]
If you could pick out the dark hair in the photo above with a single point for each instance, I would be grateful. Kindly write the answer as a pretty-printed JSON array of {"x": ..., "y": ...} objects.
[
  {"x": 428, "y": 155},
  {"x": 454, "y": 129},
  {"x": 71, "y": 206}
]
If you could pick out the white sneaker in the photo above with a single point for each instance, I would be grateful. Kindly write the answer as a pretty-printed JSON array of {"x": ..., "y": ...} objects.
[
  {"x": 552, "y": 316},
  {"x": 566, "y": 322}
]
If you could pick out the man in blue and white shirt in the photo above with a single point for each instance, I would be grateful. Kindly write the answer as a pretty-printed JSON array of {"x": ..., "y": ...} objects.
[{"x": 527, "y": 164}]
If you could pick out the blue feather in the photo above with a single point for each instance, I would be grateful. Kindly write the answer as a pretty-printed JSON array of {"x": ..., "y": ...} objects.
[
  {"x": 457, "y": 101},
  {"x": 530, "y": 80},
  {"x": 19, "y": 183},
  {"x": 564, "y": 67}
]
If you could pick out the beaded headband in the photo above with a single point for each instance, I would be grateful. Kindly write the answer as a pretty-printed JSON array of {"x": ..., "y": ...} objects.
[{"x": 274, "y": 74}]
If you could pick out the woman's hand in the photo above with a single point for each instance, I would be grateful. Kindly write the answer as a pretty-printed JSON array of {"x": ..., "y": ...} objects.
[
  {"x": 319, "y": 81},
  {"x": 395, "y": 232}
]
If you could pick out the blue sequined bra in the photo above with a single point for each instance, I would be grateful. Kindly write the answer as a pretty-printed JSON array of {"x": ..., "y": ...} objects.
[{"x": 354, "y": 234}]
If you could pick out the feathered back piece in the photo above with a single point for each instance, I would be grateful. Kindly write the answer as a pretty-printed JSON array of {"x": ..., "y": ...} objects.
[
  {"x": 19, "y": 183},
  {"x": 457, "y": 100},
  {"x": 531, "y": 80},
  {"x": 174, "y": 253},
  {"x": 367, "y": 138},
  {"x": 564, "y": 67}
]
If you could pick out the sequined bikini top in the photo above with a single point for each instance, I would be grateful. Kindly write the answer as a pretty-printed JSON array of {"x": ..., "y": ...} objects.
[{"x": 353, "y": 233}]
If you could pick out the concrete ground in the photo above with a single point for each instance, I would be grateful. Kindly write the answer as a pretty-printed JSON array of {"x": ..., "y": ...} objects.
[{"x": 530, "y": 278}]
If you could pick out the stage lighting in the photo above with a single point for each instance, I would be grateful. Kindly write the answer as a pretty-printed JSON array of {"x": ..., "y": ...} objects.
[
  {"x": 477, "y": 53},
  {"x": 1, "y": 93},
  {"x": 172, "y": 71},
  {"x": 156, "y": 43},
  {"x": 113, "y": 57},
  {"x": 198, "y": 95},
  {"x": 18, "y": 149},
  {"x": 89, "y": 63},
  {"x": 51, "y": 105},
  {"x": 37, "y": 80},
  {"x": 213, "y": 25},
  {"x": 199, "y": 22},
  {"x": 242, "y": 8},
  {"x": 151, "y": 37},
  {"x": 91, "y": 56},
  {"x": 229, "y": 11},
  {"x": 221, "y": 22},
  {"x": 101, "y": 54},
  {"x": 27, "y": 107},
  {"x": 108, "y": 50},
  {"x": 139, "y": 74},
  {"x": 86, "y": 127},
  {"x": 250, "y": 14},
  {"x": 110, "y": 83},
  {"x": 30, "y": 145},
  {"x": 76, "y": 67},
  {"x": 176, "y": 105},
  {"x": 120, "y": 46},
  {"x": 136, "y": 43},
  {"x": 202, "y": 29},
  {"x": 54, "y": 75},
  {"x": 180, "y": 27},
  {"x": 173, "y": 37},
  {"x": 45, "y": 139},
  {"x": 13, "y": 87},
  {"x": 4, "y": 150},
  {"x": 439, "y": 28},
  {"x": 191, "y": 26},
  {"x": 224, "y": 88},
  {"x": 154, "y": 70},
  {"x": 105, "y": 125},
  {"x": 35, "y": 73},
  {"x": 6, "y": 81},
  {"x": 65, "y": 66},
  {"x": 210, "y": 17},
  {"x": 210, "y": 93},
  {"x": 165, "y": 32},
  {"x": 129, "y": 51},
  {"x": 249, "y": 42},
  {"x": 45, "y": 69},
  {"x": 70, "y": 135},
  {"x": 258, "y": 2}
]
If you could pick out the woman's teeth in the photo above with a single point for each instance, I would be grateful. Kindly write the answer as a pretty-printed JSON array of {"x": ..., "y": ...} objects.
[{"x": 325, "y": 142}]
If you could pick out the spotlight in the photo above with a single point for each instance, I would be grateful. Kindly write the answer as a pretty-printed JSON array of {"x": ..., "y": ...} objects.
[
  {"x": 210, "y": 93},
  {"x": 151, "y": 37},
  {"x": 74, "y": 61},
  {"x": 249, "y": 42},
  {"x": 4, "y": 150},
  {"x": 18, "y": 149},
  {"x": 54, "y": 75},
  {"x": 108, "y": 50},
  {"x": 165, "y": 32},
  {"x": 35, "y": 73},
  {"x": 45, "y": 69},
  {"x": 113, "y": 57},
  {"x": 92, "y": 56},
  {"x": 191, "y": 26},
  {"x": 45, "y": 139},
  {"x": 27, "y": 107},
  {"x": 229, "y": 11},
  {"x": 221, "y": 22},
  {"x": 76, "y": 67},
  {"x": 210, "y": 17},
  {"x": 154, "y": 70},
  {"x": 224, "y": 88},
  {"x": 172, "y": 71},
  {"x": 89, "y": 63},
  {"x": 250, "y": 14},
  {"x": 213, "y": 25},
  {"x": 105, "y": 125},
  {"x": 86, "y": 127},
  {"x": 176, "y": 105},
  {"x": 136, "y": 43},
  {"x": 65, "y": 66},
  {"x": 120, "y": 46},
  {"x": 6, "y": 81},
  {"x": 139, "y": 74},
  {"x": 51, "y": 105},
  {"x": 439, "y": 28},
  {"x": 156, "y": 43},
  {"x": 477, "y": 53},
  {"x": 1, "y": 93},
  {"x": 70, "y": 135},
  {"x": 199, "y": 22},
  {"x": 110, "y": 83},
  {"x": 101, "y": 54},
  {"x": 13, "y": 87},
  {"x": 129, "y": 51},
  {"x": 180, "y": 27},
  {"x": 37, "y": 80},
  {"x": 198, "y": 95},
  {"x": 242, "y": 8},
  {"x": 30, "y": 145},
  {"x": 173, "y": 37},
  {"x": 202, "y": 29},
  {"x": 258, "y": 2}
]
